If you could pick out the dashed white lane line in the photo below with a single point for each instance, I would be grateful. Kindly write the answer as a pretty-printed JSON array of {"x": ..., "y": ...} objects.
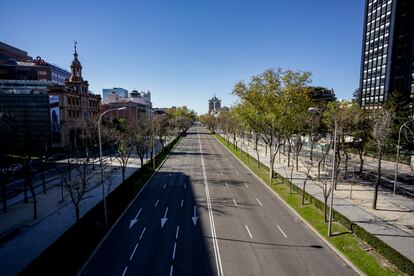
[
  {"x": 182, "y": 202},
  {"x": 176, "y": 233},
  {"x": 237, "y": 173},
  {"x": 234, "y": 202},
  {"x": 245, "y": 184},
  {"x": 171, "y": 270},
  {"x": 248, "y": 231},
  {"x": 125, "y": 270},
  {"x": 156, "y": 203},
  {"x": 165, "y": 186},
  {"x": 185, "y": 185},
  {"x": 221, "y": 173},
  {"x": 259, "y": 202},
  {"x": 142, "y": 233},
  {"x": 175, "y": 248},
  {"x": 226, "y": 184},
  {"x": 280, "y": 229},
  {"x": 133, "y": 252}
]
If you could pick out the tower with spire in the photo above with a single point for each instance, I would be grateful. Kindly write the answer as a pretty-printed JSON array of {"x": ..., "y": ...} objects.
[
  {"x": 214, "y": 104},
  {"x": 76, "y": 66},
  {"x": 76, "y": 82}
]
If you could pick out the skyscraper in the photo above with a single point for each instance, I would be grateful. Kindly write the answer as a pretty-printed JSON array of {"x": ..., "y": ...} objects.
[{"x": 387, "y": 52}]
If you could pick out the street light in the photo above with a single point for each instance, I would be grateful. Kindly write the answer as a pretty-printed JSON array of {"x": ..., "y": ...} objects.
[
  {"x": 100, "y": 159},
  {"x": 316, "y": 110},
  {"x": 398, "y": 153}
]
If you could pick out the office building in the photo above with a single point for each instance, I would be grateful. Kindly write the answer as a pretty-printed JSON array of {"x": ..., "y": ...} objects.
[
  {"x": 387, "y": 52},
  {"x": 116, "y": 91},
  {"x": 16, "y": 64}
]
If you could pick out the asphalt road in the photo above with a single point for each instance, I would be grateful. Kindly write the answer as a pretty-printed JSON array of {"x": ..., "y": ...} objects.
[{"x": 204, "y": 213}]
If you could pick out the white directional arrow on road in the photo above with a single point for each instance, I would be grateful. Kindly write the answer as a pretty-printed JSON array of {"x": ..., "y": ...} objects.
[
  {"x": 194, "y": 217},
  {"x": 164, "y": 219},
  {"x": 135, "y": 219}
]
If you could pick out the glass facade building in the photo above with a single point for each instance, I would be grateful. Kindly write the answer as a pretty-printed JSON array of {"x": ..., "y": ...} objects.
[{"x": 387, "y": 51}]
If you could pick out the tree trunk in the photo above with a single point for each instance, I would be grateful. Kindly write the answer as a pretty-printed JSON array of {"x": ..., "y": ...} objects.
[
  {"x": 3, "y": 192},
  {"x": 141, "y": 158},
  {"x": 32, "y": 191},
  {"x": 26, "y": 198},
  {"x": 123, "y": 173},
  {"x": 377, "y": 182},
  {"x": 77, "y": 211},
  {"x": 325, "y": 206},
  {"x": 361, "y": 163},
  {"x": 271, "y": 161},
  {"x": 311, "y": 150},
  {"x": 43, "y": 180}
]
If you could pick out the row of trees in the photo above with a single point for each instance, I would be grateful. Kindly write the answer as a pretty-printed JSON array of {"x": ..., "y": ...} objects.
[
  {"x": 277, "y": 108},
  {"x": 120, "y": 138}
]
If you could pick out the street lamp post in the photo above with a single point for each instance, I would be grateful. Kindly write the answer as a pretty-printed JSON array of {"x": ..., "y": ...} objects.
[
  {"x": 398, "y": 153},
  {"x": 315, "y": 110},
  {"x": 153, "y": 140},
  {"x": 100, "y": 160}
]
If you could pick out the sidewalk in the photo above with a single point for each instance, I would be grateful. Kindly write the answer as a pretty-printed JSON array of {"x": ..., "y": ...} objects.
[
  {"x": 393, "y": 222},
  {"x": 28, "y": 238}
]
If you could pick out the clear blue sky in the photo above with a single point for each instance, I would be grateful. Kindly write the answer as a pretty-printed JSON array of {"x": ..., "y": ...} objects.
[{"x": 186, "y": 50}]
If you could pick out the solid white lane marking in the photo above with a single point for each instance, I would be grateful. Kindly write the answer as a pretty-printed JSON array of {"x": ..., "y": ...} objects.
[
  {"x": 133, "y": 252},
  {"x": 182, "y": 202},
  {"x": 245, "y": 184},
  {"x": 164, "y": 219},
  {"x": 210, "y": 213},
  {"x": 156, "y": 203},
  {"x": 176, "y": 233},
  {"x": 171, "y": 270},
  {"x": 142, "y": 233},
  {"x": 165, "y": 185},
  {"x": 175, "y": 247},
  {"x": 227, "y": 185},
  {"x": 250, "y": 234},
  {"x": 125, "y": 270},
  {"x": 259, "y": 202},
  {"x": 234, "y": 202},
  {"x": 281, "y": 231}
]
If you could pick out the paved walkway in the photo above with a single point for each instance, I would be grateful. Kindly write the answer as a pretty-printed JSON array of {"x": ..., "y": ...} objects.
[
  {"x": 393, "y": 222},
  {"x": 28, "y": 238}
]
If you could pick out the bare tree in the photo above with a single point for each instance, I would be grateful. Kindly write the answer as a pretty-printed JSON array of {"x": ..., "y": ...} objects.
[
  {"x": 125, "y": 146},
  {"x": 78, "y": 185},
  {"x": 143, "y": 137},
  {"x": 380, "y": 135}
]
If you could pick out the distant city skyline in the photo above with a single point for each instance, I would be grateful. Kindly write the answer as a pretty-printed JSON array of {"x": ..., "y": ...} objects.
[{"x": 185, "y": 52}]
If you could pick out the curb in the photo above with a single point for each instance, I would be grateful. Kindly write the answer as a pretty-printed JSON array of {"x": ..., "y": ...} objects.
[
  {"x": 93, "y": 254},
  {"x": 333, "y": 248}
]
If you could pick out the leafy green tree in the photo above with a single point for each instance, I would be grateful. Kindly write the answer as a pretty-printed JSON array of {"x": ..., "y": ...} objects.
[{"x": 264, "y": 106}]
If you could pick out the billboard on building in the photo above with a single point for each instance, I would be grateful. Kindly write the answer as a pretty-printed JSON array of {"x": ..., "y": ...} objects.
[{"x": 55, "y": 118}]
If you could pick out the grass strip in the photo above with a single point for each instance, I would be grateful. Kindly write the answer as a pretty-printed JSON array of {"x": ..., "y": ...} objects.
[
  {"x": 71, "y": 250},
  {"x": 369, "y": 262}
]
